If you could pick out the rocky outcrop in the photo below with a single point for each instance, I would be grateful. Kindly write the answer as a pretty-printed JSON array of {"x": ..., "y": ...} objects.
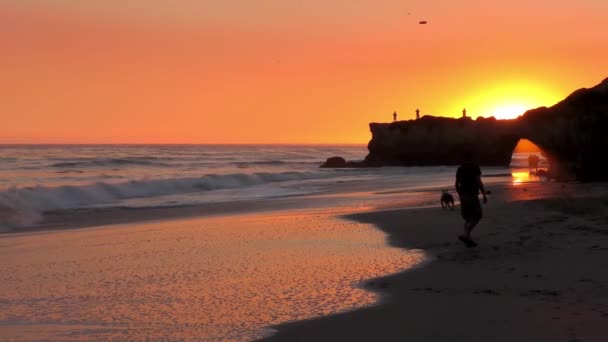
[
  {"x": 573, "y": 135},
  {"x": 339, "y": 162},
  {"x": 442, "y": 141},
  {"x": 334, "y": 162}
]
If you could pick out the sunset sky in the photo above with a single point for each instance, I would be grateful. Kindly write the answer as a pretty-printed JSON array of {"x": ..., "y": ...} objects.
[{"x": 282, "y": 71}]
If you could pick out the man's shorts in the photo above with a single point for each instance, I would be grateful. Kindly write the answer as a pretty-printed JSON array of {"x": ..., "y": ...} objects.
[{"x": 470, "y": 208}]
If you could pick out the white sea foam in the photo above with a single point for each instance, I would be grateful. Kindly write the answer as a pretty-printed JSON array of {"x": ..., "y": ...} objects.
[
  {"x": 24, "y": 205},
  {"x": 39, "y": 179}
]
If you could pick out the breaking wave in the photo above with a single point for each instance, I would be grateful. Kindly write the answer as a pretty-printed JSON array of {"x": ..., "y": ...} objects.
[{"x": 25, "y": 205}]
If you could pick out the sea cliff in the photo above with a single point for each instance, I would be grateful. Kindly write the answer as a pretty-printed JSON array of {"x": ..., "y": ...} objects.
[
  {"x": 572, "y": 134},
  {"x": 441, "y": 141}
]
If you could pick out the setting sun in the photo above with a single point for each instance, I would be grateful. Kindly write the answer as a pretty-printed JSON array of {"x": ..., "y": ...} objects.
[
  {"x": 508, "y": 98},
  {"x": 511, "y": 111}
]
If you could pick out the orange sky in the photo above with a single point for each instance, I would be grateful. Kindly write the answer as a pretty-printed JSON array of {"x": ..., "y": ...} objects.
[{"x": 290, "y": 71}]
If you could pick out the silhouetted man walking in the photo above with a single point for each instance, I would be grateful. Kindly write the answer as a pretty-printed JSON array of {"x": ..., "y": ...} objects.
[{"x": 468, "y": 184}]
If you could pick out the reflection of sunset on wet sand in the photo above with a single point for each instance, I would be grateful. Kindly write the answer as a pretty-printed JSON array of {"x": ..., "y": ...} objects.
[{"x": 521, "y": 177}]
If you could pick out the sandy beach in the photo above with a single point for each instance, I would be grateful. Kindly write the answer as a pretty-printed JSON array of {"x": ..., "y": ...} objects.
[
  {"x": 537, "y": 275},
  {"x": 207, "y": 278},
  {"x": 240, "y": 272}
]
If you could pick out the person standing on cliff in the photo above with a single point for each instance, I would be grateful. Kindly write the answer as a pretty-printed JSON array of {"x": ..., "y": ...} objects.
[
  {"x": 394, "y": 116},
  {"x": 464, "y": 112},
  {"x": 468, "y": 184},
  {"x": 417, "y": 114}
]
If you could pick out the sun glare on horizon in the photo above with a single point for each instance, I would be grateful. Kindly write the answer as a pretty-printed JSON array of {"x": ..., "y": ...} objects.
[
  {"x": 509, "y": 111},
  {"x": 510, "y": 99}
]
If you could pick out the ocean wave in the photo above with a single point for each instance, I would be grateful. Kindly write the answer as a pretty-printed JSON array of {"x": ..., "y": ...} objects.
[
  {"x": 522, "y": 162},
  {"x": 70, "y": 171},
  {"x": 96, "y": 162},
  {"x": 262, "y": 162},
  {"x": 27, "y": 204},
  {"x": 167, "y": 162}
]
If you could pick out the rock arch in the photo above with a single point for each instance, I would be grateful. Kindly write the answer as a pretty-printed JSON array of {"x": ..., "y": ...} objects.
[{"x": 573, "y": 134}]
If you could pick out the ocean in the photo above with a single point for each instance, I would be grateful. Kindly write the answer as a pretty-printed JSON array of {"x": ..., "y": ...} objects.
[{"x": 35, "y": 179}]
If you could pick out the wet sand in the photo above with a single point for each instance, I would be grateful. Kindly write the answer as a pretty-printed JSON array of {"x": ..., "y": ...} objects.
[
  {"x": 220, "y": 278},
  {"x": 539, "y": 273}
]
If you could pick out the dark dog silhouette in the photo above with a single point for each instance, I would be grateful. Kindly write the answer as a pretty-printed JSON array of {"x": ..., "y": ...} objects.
[{"x": 447, "y": 200}]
